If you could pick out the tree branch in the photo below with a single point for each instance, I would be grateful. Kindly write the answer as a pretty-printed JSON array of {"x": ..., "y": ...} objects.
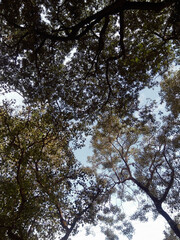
[
  {"x": 78, "y": 216},
  {"x": 158, "y": 205},
  {"x": 112, "y": 9},
  {"x": 62, "y": 220}
]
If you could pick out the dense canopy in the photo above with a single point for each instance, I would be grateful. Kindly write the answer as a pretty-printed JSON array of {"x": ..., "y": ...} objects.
[
  {"x": 44, "y": 189},
  {"x": 117, "y": 48},
  {"x": 80, "y": 66}
]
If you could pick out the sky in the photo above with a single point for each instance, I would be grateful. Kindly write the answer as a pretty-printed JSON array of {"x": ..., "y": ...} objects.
[{"x": 151, "y": 230}]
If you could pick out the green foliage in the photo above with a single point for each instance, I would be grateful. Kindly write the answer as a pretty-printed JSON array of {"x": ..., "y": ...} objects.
[
  {"x": 170, "y": 92},
  {"x": 76, "y": 63},
  {"x": 140, "y": 159},
  {"x": 44, "y": 190},
  {"x": 118, "y": 46}
]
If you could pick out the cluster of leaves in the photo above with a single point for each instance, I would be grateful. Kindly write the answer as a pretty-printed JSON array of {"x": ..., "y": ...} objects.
[
  {"x": 119, "y": 46},
  {"x": 170, "y": 88},
  {"x": 44, "y": 190},
  {"x": 142, "y": 160}
]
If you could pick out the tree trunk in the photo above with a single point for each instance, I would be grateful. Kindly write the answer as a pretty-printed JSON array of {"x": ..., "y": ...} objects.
[
  {"x": 159, "y": 208},
  {"x": 169, "y": 220}
]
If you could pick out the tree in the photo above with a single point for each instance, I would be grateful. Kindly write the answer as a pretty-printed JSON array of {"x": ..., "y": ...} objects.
[
  {"x": 142, "y": 161},
  {"x": 119, "y": 46},
  {"x": 82, "y": 60},
  {"x": 44, "y": 190}
]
